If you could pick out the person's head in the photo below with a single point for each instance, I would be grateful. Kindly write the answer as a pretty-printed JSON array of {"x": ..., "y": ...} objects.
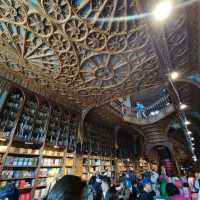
[
  {"x": 127, "y": 175},
  {"x": 186, "y": 185},
  {"x": 147, "y": 185},
  {"x": 67, "y": 188},
  {"x": 171, "y": 189},
  {"x": 97, "y": 173},
  {"x": 92, "y": 180},
  {"x": 105, "y": 185}
]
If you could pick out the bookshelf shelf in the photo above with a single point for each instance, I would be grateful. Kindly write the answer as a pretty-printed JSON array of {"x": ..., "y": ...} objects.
[
  {"x": 25, "y": 188},
  {"x": 52, "y": 166},
  {"x": 13, "y": 179},
  {"x": 7, "y": 166}
]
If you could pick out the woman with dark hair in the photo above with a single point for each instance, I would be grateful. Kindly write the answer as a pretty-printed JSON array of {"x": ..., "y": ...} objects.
[
  {"x": 67, "y": 188},
  {"x": 174, "y": 192}
]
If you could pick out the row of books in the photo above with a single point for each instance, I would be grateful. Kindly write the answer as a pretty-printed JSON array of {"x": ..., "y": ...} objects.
[
  {"x": 50, "y": 172},
  {"x": 20, "y": 184},
  {"x": 21, "y": 161},
  {"x": 17, "y": 174},
  {"x": 95, "y": 162},
  {"x": 52, "y": 162}
]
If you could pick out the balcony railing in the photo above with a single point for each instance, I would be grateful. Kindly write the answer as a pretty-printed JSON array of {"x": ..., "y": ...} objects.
[{"x": 149, "y": 114}]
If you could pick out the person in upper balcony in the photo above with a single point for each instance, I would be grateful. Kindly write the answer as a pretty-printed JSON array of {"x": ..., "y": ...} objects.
[{"x": 139, "y": 107}]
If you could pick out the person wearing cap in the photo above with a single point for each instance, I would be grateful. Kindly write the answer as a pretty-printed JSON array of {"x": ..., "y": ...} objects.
[{"x": 147, "y": 193}]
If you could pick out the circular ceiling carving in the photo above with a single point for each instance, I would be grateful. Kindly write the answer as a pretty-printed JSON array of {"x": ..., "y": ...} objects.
[
  {"x": 76, "y": 29},
  {"x": 13, "y": 11},
  {"x": 58, "y": 10},
  {"x": 39, "y": 24},
  {"x": 104, "y": 70},
  {"x": 96, "y": 41},
  {"x": 116, "y": 43},
  {"x": 24, "y": 50},
  {"x": 99, "y": 13}
]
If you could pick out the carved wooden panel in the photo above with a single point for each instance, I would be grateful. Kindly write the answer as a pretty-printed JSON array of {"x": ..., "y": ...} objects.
[{"x": 71, "y": 51}]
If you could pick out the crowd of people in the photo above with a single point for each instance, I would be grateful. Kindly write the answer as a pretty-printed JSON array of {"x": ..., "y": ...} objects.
[{"x": 150, "y": 186}]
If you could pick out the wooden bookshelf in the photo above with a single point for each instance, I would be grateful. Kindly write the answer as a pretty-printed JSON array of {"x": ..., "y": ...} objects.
[{"x": 35, "y": 129}]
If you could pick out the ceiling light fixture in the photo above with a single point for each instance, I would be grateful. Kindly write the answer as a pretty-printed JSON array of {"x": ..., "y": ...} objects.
[
  {"x": 174, "y": 75},
  {"x": 183, "y": 106},
  {"x": 189, "y": 132},
  {"x": 187, "y": 122},
  {"x": 162, "y": 10},
  {"x": 29, "y": 143},
  {"x": 194, "y": 158}
]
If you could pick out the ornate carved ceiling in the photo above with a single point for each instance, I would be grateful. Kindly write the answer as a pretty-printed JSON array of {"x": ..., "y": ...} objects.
[{"x": 69, "y": 50}]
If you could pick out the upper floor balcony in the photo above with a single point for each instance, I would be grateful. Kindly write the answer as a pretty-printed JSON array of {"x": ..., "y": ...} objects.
[{"x": 143, "y": 115}]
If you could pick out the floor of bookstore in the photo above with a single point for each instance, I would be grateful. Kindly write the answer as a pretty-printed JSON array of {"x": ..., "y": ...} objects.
[{"x": 93, "y": 87}]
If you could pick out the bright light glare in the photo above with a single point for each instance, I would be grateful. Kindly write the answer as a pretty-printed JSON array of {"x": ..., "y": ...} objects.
[
  {"x": 183, "y": 106},
  {"x": 189, "y": 132},
  {"x": 162, "y": 10},
  {"x": 174, "y": 75},
  {"x": 187, "y": 123}
]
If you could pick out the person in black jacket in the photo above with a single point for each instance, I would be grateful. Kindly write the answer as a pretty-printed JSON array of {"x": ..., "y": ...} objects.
[
  {"x": 67, "y": 188},
  {"x": 108, "y": 192},
  {"x": 147, "y": 193}
]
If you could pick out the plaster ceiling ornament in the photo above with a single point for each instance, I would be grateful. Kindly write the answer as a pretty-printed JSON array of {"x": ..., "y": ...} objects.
[
  {"x": 73, "y": 49},
  {"x": 58, "y": 10},
  {"x": 150, "y": 79},
  {"x": 96, "y": 40},
  {"x": 58, "y": 42},
  {"x": 29, "y": 74},
  {"x": 12, "y": 10},
  {"x": 137, "y": 39},
  {"x": 76, "y": 29},
  {"x": 69, "y": 59},
  {"x": 177, "y": 39},
  {"x": 137, "y": 58},
  {"x": 24, "y": 50},
  {"x": 82, "y": 52},
  {"x": 39, "y": 24},
  {"x": 116, "y": 43},
  {"x": 104, "y": 70},
  {"x": 100, "y": 12}
]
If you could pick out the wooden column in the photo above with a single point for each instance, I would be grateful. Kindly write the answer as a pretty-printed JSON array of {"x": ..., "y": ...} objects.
[
  {"x": 116, "y": 130},
  {"x": 77, "y": 164}
]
